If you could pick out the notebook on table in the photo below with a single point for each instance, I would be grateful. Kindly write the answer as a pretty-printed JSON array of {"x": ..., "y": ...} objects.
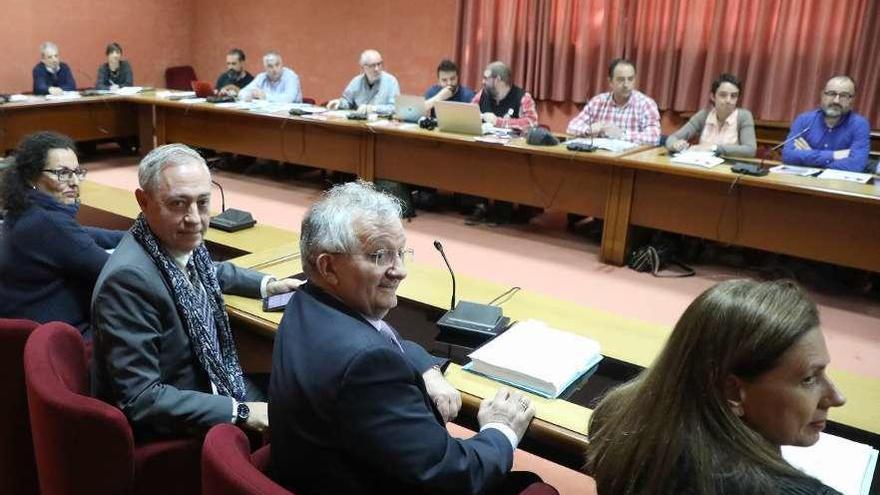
[{"x": 535, "y": 357}]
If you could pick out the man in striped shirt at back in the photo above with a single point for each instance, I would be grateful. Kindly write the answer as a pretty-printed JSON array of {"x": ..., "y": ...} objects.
[{"x": 622, "y": 113}]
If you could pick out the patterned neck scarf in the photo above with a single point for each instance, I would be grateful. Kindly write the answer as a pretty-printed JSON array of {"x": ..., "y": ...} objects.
[{"x": 200, "y": 306}]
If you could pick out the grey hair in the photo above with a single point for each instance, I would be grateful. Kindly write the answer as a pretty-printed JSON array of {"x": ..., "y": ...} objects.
[
  {"x": 366, "y": 53},
  {"x": 501, "y": 71},
  {"x": 272, "y": 54},
  {"x": 165, "y": 156},
  {"x": 46, "y": 45},
  {"x": 331, "y": 225}
]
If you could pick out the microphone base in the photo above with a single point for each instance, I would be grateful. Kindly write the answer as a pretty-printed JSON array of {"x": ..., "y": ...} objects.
[
  {"x": 473, "y": 323},
  {"x": 233, "y": 220},
  {"x": 746, "y": 168}
]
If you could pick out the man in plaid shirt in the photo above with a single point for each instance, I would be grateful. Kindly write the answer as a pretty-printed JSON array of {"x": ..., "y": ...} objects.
[
  {"x": 503, "y": 104},
  {"x": 623, "y": 113}
]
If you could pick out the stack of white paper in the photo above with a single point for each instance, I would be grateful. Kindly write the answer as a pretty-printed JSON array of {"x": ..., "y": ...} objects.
[
  {"x": 533, "y": 356},
  {"x": 830, "y": 173},
  {"x": 236, "y": 105},
  {"x": 842, "y": 464},
  {"x": 613, "y": 145},
  {"x": 705, "y": 159},
  {"x": 67, "y": 95},
  {"x": 175, "y": 95},
  {"x": 795, "y": 170},
  {"x": 308, "y": 108},
  {"x": 128, "y": 90}
]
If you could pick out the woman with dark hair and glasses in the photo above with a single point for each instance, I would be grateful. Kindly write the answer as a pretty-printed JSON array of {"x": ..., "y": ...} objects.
[
  {"x": 49, "y": 261},
  {"x": 114, "y": 73},
  {"x": 723, "y": 128},
  {"x": 743, "y": 373}
]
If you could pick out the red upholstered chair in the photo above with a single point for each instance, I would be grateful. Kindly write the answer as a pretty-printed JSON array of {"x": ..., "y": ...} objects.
[
  {"x": 18, "y": 474},
  {"x": 180, "y": 77},
  {"x": 85, "y": 446},
  {"x": 228, "y": 468},
  {"x": 539, "y": 489}
]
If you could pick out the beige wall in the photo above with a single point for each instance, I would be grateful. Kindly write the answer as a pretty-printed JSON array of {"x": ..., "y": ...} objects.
[{"x": 322, "y": 39}]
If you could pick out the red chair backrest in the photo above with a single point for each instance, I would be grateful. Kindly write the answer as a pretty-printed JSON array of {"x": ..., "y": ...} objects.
[
  {"x": 18, "y": 474},
  {"x": 180, "y": 77},
  {"x": 229, "y": 469},
  {"x": 539, "y": 489},
  {"x": 81, "y": 445}
]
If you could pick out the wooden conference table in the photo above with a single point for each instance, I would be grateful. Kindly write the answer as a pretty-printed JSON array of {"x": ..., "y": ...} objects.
[
  {"x": 83, "y": 119},
  {"x": 560, "y": 423},
  {"x": 830, "y": 221}
]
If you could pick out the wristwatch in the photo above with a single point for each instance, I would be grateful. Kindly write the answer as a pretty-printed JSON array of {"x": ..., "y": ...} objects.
[{"x": 242, "y": 413}]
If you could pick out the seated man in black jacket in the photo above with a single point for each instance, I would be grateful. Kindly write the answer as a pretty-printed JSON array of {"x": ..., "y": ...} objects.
[
  {"x": 355, "y": 408},
  {"x": 236, "y": 77}
]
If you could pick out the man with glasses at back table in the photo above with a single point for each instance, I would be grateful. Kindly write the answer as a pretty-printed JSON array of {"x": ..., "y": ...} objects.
[
  {"x": 831, "y": 136},
  {"x": 373, "y": 90}
]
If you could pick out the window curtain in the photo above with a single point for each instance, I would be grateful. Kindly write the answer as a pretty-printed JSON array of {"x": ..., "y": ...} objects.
[{"x": 783, "y": 50}]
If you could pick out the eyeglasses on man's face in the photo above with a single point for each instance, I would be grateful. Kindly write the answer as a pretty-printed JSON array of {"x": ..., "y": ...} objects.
[
  {"x": 384, "y": 258},
  {"x": 374, "y": 65},
  {"x": 64, "y": 174},
  {"x": 834, "y": 94}
]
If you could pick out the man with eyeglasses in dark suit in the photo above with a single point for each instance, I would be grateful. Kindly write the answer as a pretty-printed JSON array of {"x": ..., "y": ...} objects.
[{"x": 354, "y": 407}]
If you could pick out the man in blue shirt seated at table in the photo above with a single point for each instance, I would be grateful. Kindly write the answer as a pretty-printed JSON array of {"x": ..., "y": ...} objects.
[
  {"x": 832, "y": 136},
  {"x": 51, "y": 75},
  {"x": 447, "y": 87},
  {"x": 373, "y": 90},
  {"x": 277, "y": 84}
]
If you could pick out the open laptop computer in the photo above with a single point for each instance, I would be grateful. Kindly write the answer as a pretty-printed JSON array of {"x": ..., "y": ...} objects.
[
  {"x": 409, "y": 108},
  {"x": 461, "y": 118},
  {"x": 203, "y": 89}
]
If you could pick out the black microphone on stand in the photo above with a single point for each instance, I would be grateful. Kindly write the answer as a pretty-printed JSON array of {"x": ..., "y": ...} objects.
[
  {"x": 475, "y": 322},
  {"x": 439, "y": 247},
  {"x": 759, "y": 170},
  {"x": 88, "y": 77},
  {"x": 222, "y": 196},
  {"x": 230, "y": 220},
  {"x": 780, "y": 145}
]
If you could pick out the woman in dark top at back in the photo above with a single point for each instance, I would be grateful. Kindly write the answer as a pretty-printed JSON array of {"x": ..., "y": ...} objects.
[
  {"x": 742, "y": 374},
  {"x": 115, "y": 72},
  {"x": 49, "y": 262}
]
